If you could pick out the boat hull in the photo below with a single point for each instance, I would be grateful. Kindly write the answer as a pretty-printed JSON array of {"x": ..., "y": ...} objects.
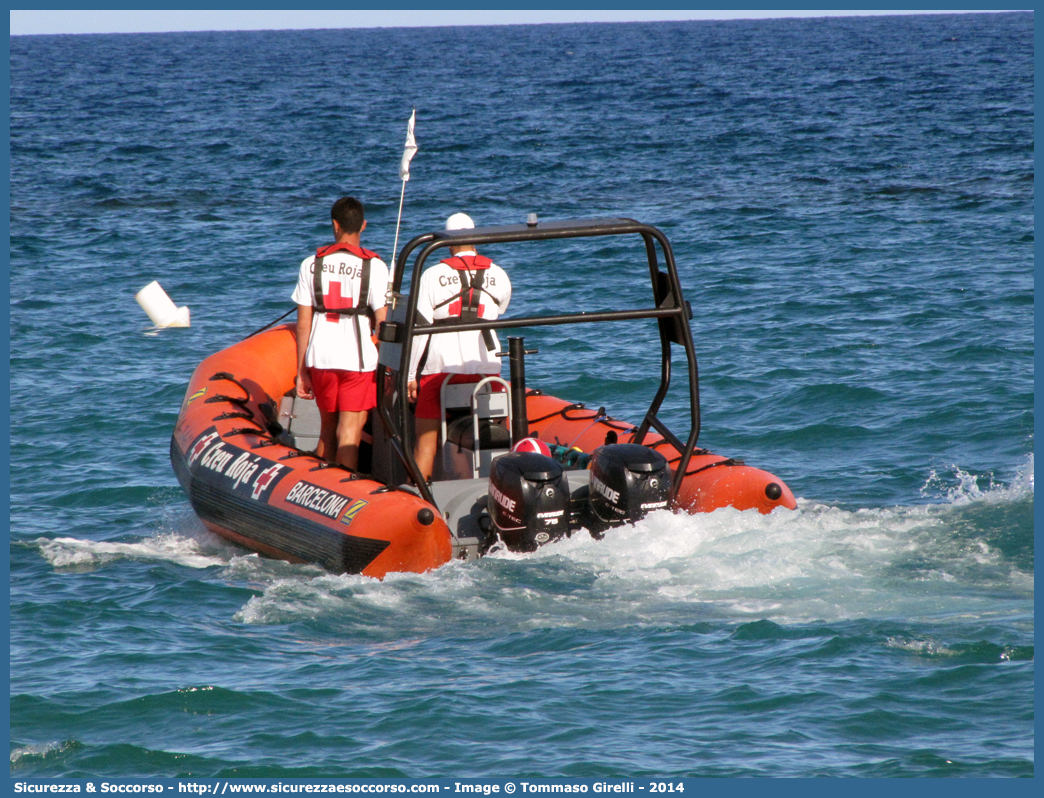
[{"x": 280, "y": 502}]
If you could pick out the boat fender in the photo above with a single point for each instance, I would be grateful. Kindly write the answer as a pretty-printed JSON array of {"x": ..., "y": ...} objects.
[{"x": 160, "y": 308}]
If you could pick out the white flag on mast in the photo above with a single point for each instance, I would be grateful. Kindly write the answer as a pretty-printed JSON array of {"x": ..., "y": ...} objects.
[{"x": 411, "y": 149}]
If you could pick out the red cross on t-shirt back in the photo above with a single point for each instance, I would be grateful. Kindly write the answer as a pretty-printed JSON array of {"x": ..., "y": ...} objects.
[
  {"x": 332, "y": 299},
  {"x": 457, "y": 305}
]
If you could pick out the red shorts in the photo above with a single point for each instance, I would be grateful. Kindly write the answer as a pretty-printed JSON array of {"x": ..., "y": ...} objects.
[
  {"x": 429, "y": 391},
  {"x": 336, "y": 389}
]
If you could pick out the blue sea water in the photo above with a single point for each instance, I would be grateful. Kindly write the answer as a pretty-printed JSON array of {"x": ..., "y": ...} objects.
[{"x": 851, "y": 206}]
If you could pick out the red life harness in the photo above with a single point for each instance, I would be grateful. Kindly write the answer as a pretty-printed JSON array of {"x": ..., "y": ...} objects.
[
  {"x": 468, "y": 262},
  {"x": 359, "y": 252},
  {"x": 363, "y": 308},
  {"x": 472, "y": 270}
]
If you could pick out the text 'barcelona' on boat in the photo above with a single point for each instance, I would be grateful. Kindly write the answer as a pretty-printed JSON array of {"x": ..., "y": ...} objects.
[{"x": 242, "y": 447}]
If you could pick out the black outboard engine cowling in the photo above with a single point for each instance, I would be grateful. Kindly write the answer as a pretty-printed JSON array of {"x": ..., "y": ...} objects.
[
  {"x": 528, "y": 500},
  {"x": 627, "y": 482}
]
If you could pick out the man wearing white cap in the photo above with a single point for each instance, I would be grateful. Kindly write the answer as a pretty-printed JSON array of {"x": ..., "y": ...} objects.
[{"x": 464, "y": 287}]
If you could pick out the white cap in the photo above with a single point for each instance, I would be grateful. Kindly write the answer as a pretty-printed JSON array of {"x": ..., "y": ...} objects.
[{"x": 459, "y": 221}]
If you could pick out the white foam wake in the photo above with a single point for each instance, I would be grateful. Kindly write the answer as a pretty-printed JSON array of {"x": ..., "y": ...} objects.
[
  {"x": 38, "y": 751},
  {"x": 964, "y": 487},
  {"x": 78, "y": 553},
  {"x": 816, "y": 563}
]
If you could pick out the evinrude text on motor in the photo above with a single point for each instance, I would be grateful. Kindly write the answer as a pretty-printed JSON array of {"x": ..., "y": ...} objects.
[
  {"x": 528, "y": 500},
  {"x": 628, "y": 482}
]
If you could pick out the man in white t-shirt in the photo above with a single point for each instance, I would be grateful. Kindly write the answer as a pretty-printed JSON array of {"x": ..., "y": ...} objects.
[
  {"x": 464, "y": 287},
  {"x": 337, "y": 310}
]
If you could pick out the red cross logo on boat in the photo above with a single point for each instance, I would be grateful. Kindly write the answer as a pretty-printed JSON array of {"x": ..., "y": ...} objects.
[
  {"x": 333, "y": 300},
  {"x": 201, "y": 444},
  {"x": 264, "y": 479}
]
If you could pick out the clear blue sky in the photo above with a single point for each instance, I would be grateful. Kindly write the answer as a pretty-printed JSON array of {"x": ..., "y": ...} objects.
[{"x": 80, "y": 21}]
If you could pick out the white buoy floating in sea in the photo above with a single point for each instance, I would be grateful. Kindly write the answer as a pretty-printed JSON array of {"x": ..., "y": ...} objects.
[{"x": 155, "y": 302}]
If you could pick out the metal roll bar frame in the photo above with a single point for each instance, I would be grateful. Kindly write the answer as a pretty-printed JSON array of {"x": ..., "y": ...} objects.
[{"x": 671, "y": 311}]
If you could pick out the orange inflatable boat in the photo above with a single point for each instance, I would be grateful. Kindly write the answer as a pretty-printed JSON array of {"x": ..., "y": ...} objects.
[{"x": 242, "y": 447}]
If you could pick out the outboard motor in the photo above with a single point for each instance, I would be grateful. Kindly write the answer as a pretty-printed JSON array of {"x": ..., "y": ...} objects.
[
  {"x": 627, "y": 482},
  {"x": 528, "y": 500}
]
